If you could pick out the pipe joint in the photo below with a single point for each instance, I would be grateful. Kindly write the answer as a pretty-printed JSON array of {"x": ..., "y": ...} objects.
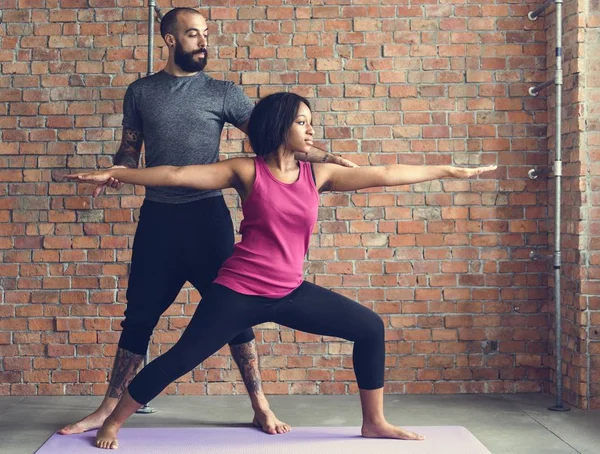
[
  {"x": 557, "y": 168},
  {"x": 558, "y": 77},
  {"x": 557, "y": 259}
]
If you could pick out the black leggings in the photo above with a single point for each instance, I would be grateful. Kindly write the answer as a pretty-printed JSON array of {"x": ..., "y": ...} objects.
[
  {"x": 222, "y": 313},
  {"x": 174, "y": 243}
]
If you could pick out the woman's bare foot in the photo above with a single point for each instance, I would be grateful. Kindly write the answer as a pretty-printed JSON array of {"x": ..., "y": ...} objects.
[
  {"x": 269, "y": 423},
  {"x": 386, "y": 430},
  {"x": 106, "y": 438},
  {"x": 90, "y": 422}
]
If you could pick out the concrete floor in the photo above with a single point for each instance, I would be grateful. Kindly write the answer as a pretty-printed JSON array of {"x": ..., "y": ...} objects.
[{"x": 507, "y": 423}]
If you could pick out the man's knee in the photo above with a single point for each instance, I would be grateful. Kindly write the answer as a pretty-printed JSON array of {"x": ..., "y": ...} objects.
[
  {"x": 243, "y": 338},
  {"x": 135, "y": 337}
]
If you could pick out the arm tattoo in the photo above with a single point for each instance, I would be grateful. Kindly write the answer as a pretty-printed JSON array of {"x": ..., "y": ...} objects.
[
  {"x": 129, "y": 151},
  {"x": 246, "y": 358},
  {"x": 124, "y": 369}
]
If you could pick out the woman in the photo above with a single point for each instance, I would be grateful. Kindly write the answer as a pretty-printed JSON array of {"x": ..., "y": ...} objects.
[{"x": 262, "y": 281}]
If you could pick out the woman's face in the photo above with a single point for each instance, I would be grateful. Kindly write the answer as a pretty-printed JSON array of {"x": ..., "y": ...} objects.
[{"x": 300, "y": 134}]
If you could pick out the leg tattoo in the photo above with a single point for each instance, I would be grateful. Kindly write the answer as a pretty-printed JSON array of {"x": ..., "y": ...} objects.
[
  {"x": 125, "y": 368},
  {"x": 246, "y": 358}
]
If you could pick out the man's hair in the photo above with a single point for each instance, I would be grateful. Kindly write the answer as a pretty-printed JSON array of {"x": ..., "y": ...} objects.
[
  {"x": 270, "y": 121},
  {"x": 168, "y": 24}
]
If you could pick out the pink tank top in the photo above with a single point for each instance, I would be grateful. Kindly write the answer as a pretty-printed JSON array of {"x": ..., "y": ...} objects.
[{"x": 278, "y": 222}]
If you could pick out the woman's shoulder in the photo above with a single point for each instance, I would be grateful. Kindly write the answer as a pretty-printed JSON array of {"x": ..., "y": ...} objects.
[
  {"x": 242, "y": 161},
  {"x": 243, "y": 166}
]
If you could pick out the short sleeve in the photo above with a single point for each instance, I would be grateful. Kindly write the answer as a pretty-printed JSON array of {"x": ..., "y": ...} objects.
[
  {"x": 237, "y": 106},
  {"x": 131, "y": 116}
]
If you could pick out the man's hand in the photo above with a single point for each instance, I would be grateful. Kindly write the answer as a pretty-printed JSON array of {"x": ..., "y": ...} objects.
[
  {"x": 333, "y": 159},
  {"x": 110, "y": 182},
  {"x": 318, "y": 155}
]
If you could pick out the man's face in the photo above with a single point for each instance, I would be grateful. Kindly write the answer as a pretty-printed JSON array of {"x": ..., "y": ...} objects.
[
  {"x": 190, "y": 42},
  {"x": 192, "y": 61}
]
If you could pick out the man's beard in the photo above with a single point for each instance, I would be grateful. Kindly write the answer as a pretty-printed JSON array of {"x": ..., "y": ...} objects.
[{"x": 186, "y": 60}]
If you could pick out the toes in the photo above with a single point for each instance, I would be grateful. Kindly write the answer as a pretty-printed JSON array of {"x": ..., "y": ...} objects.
[
  {"x": 66, "y": 430},
  {"x": 414, "y": 436},
  {"x": 270, "y": 430},
  {"x": 107, "y": 444},
  {"x": 283, "y": 428}
]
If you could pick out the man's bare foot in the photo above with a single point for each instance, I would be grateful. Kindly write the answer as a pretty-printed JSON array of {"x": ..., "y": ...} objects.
[
  {"x": 269, "y": 423},
  {"x": 90, "y": 422},
  {"x": 106, "y": 438},
  {"x": 386, "y": 430}
]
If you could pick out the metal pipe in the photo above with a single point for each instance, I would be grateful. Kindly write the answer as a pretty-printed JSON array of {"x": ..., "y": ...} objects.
[
  {"x": 159, "y": 14},
  {"x": 149, "y": 70},
  {"x": 151, "y": 7},
  {"x": 558, "y": 76},
  {"x": 146, "y": 409},
  {"x": 533, "y": 91},
  {"x": 533, "y": 15}
]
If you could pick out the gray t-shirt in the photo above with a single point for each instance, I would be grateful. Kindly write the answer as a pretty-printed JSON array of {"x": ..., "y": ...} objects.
[{"x": 181, "y": 119}]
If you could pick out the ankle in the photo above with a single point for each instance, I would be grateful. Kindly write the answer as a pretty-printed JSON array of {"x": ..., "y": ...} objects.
[
  {"x": 111, "y": 423},
  {"x": 374, "y": 420},
  {"x": 260, "y": 403},
  {"x": 107, "y": 406}
]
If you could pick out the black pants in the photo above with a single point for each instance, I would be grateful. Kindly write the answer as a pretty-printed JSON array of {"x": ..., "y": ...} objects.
[
  {"x": 222, "y": 313},
  {"x": 174, "y": 243}
]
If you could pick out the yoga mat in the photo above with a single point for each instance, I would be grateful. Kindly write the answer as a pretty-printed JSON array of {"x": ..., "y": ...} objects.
[{"x": 242, "y": 440}]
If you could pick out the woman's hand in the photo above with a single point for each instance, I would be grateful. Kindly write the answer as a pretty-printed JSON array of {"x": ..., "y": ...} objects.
[
  {"x": 100, "y": 177},
  {"x": 103, "y": 177},
  {"x": 111, "y": 183},
  {"x": 468, "y": 172}
]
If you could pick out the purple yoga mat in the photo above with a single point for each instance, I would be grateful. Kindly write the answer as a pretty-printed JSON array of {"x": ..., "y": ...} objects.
[{"x": 242, "y": 440}]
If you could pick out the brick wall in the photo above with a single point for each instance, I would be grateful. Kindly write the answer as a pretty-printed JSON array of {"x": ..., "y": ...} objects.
[{"x": 445, "y": 264}]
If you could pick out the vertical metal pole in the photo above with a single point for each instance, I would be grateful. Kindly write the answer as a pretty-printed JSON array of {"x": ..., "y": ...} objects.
[
  {"x": 557, "y": 218},
  {"x": 146, "y": 409},
  {"x": 151, "y": 5}
]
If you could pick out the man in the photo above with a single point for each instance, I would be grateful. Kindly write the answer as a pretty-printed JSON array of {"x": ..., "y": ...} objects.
[{"x": 182, "y": 234}]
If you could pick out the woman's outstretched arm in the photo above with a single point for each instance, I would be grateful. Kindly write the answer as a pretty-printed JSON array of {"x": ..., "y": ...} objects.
[
  {"x": 219, "y": 175},
  {"x": 336, "y": 178}
]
